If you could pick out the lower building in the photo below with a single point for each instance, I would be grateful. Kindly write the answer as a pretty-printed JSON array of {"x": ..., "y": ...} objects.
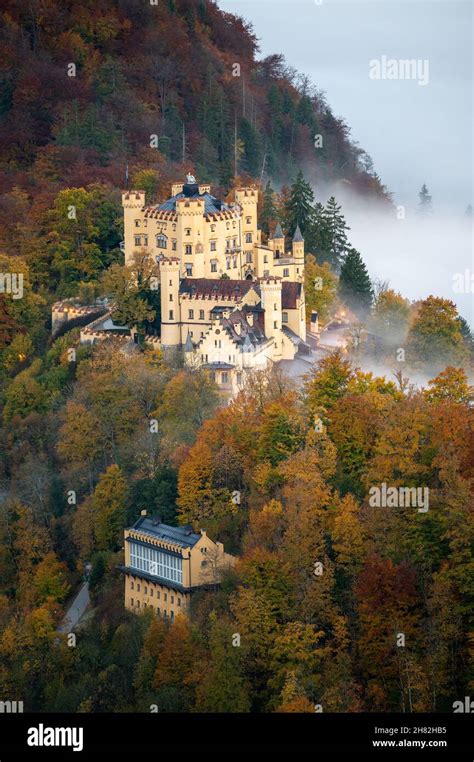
[{"x": 165, "y": 565}]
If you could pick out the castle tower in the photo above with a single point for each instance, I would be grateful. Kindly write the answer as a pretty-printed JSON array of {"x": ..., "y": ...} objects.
[
  {"x": 278, "y": 242},
  {"x": 270, "y": 289},
  {"x": 190, "y": 232},
  {"x": 133, "y": 203},
  {"x": 297, "y": 245},
  {"x": 170, "y": 307},
  {"x": 247, "y": 198}
]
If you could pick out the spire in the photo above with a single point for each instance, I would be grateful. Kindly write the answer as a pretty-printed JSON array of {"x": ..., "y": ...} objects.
[
  {"x": 278, "y": 232},
  {"x": 189, "y": 346},
  {"x": 298, "y": 238}
]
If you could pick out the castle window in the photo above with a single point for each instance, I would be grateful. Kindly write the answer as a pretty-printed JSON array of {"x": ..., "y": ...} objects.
[
  {"x": 161, "y": 241},
  {"x": 137, "y": 223},
  {"x": 275, "y": 306},
  {"x": 138, "y": 588},
  {"x": 213, "y": 265},
  {"x": 145, "y": 223},
  {"x": 275, "y": 324},
  {"x": 171, "y": 297},
  {"x": 189, "y": 270},
  {"x": 191, "y": 314},
  {"x": 166, "y": 597},
  {"x": 158, "y": 595},
  {"x": 228, "y": 263},
  {"x": 286, "y": 272},
  {"x": 157, "y": 562},
  {"x": 213, "y": 245},
  {"x": 145, "y": 240},
  {"x": 151, "y": 592},
  {"x": 172, "y": 615},
  {"x": 227, "y": 225},
  {"x": 131, "y": 584},
  {"x": 297, "y": 269},
  {"x": 188, "y": 249},
  {"x": 131, "y": 601},
  {"x": 213, "y": 228},
  {"x": 138, "y": 240},
  {"x": 233, "y": 224},
  {"x": 171, "y": 317},
  {"x": 284, "y": 317},
  {"x": 146, "y": 591},
  {"x": 248, "y": 256},
  {"x": 170, "y": 283},
  {"x": 138, "y": 604},
  {"x": 235, "y": 262},
  {"x": 172, "y": 599},
  {"x": 265, "y": 259},
  {"x": 225, "y": 377},
  {"x": 173, "y": 244},
  {"x": 179, "y": 601},
  {"x": 201, "y": 314},
  {"x": 187, "y": 231},
  {"x": 248, "y": 238}
]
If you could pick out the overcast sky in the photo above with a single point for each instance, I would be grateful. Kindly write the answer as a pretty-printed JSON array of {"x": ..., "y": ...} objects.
[{"x": 414, "y": 133}]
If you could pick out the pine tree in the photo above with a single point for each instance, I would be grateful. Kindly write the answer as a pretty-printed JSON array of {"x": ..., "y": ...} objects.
[
  {"x": 355, "y": 287},
  {"x": 269, "y": 213},
  {"x": 332, "y": 234},
  {"x": 425, "y": 205},
  {"x": 299, "y": 208}
]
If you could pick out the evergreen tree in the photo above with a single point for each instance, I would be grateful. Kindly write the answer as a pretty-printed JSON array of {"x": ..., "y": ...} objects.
[
  {"x": 355, "y": 287},
  {"x": 299, "y": 208},
  {"x": 332, "y": 233},
  {"x": 425, "y": 205},
  {"x": 269, "y": 213}
]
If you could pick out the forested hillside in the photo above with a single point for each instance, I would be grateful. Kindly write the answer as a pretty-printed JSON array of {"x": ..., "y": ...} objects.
[{"x": 89, "y": 88}]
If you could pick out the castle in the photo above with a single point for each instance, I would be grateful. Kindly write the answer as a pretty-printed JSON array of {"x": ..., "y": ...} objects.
[{"x": 229, "y": 301}]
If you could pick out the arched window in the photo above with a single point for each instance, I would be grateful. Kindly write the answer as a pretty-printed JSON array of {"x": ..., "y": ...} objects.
[{"x": 161, "y": 241}]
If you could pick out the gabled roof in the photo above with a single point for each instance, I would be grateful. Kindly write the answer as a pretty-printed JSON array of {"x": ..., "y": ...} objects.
[
  {"x": 208, "y": 288},
  {"x": 233, "y": 290},
  {"x": 212, "y": 205},
  {"x": 183, "y": 536}
]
